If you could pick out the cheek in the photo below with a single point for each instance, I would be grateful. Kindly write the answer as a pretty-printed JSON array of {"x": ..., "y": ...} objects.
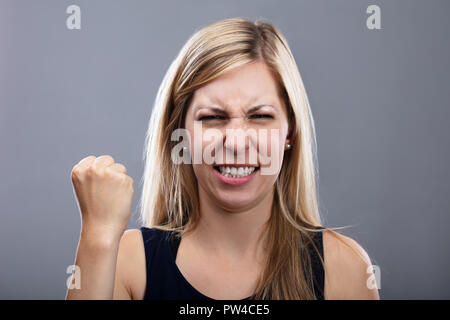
[
  {"x": 202, "y": 173},
  {"x": 272, "y": 142},
  {"x": 201, "y": 149}
]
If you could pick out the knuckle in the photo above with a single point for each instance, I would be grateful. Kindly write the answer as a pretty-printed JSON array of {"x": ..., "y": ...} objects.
[
  {"x": 75, "y": 174},
  {"x": 102, "y": 173},
  {"x": 91, "y": 172},
  {"x": 107, "y": 157},
  {"x": 75, "y": 171},
  {"x": 109, "y": 171},
  {"x": 88, "y": 160}
]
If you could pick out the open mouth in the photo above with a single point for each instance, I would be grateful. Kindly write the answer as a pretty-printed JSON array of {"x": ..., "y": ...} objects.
[{"x": 235, "y": 172}]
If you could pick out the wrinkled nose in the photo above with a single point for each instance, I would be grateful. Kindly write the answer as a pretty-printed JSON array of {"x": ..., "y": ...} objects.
[{"x": 236, "y": 140}]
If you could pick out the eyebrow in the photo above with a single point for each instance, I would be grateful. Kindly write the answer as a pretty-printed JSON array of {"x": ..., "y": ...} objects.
[{"x": 222, "y": 111}]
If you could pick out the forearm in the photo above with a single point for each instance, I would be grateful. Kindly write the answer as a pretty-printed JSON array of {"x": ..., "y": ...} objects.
[{"x": 96, "y": 258}]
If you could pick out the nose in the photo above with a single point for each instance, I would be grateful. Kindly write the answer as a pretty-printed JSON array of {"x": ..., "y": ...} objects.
[{"x": 236, "y": 140}]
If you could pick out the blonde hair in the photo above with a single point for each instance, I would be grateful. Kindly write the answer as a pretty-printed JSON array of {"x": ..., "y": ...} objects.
[{"x": 170, "y": 195}]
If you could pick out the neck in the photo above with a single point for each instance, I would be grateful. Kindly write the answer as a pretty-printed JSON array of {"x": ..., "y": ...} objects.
[{"x": 232, "y": 233}]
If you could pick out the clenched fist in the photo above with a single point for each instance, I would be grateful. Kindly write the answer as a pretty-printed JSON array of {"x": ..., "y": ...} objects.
[{"x": 104, "y": 192}]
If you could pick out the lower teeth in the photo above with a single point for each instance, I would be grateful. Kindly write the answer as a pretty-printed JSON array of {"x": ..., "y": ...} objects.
[{"x": 231, "y": 176}]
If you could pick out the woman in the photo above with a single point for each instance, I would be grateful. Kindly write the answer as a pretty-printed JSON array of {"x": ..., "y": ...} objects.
[{"x": 219, "y": 228}]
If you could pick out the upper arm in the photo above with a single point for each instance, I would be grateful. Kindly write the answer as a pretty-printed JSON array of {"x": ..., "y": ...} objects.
[
  {"x": 130, "y": 277},
  {"x": 347, "y": 269}
]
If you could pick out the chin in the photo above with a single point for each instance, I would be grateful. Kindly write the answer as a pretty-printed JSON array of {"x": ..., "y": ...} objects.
[{"x": 235, "y": 200}]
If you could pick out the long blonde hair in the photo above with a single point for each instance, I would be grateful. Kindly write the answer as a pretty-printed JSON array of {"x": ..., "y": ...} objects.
[{"x": 170, "y": 195}]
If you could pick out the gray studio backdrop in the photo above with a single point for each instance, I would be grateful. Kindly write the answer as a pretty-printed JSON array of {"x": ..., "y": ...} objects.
[{"x": 380, "y": 99}]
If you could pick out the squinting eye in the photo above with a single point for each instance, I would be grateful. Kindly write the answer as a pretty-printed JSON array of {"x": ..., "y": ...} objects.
[
  {"x": 215, "y": 117},
  {"x": 261, "y": 116}
]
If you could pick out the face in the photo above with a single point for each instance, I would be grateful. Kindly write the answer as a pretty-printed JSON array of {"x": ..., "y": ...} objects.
[{"x": 239, "y": 120}]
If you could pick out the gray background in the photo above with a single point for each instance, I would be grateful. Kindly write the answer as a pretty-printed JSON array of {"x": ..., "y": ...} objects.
[{"x": 380, "y": 99}]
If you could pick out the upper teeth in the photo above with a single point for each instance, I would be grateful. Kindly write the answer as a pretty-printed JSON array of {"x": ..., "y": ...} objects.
[{"x": 236, "y": 172}]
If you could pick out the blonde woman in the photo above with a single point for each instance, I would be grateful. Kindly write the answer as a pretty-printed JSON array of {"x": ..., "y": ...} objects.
[{"x": 219, "y": 228}]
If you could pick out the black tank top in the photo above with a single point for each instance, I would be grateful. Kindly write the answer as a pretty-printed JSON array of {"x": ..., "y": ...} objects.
[{"x": 166, "y": 282}]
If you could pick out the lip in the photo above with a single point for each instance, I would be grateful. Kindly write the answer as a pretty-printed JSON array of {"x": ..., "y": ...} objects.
[
  {"x": 235, "y": 181},
  {"x": 235, "y": 165}
]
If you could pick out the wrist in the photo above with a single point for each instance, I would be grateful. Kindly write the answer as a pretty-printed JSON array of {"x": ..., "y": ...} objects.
[{"x": 100, "y": 236}]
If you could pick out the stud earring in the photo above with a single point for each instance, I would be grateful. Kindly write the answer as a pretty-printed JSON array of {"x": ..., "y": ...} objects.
[
  {"x": 185, "y": 149},
  {"x": 288, "y": 146}
]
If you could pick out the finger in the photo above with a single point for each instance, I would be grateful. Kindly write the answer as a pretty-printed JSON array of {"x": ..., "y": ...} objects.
[
  {"x": 118, "y": 167},
  {"x": 103, "y": 161},
  {"x": 86, "y": 162}
]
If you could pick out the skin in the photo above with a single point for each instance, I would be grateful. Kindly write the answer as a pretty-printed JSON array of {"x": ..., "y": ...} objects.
[
  {"x": 222, "y": 258},
  {"x": 226, "y": 240}
]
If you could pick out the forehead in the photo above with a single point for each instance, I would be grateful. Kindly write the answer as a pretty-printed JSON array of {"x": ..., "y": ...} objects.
[{"x": 243, "y": 86}]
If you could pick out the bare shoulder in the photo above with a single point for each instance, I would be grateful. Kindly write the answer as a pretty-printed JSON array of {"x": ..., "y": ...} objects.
[
  {"x": 130, "y": 281},
  {"x": 347, "y": 268}
]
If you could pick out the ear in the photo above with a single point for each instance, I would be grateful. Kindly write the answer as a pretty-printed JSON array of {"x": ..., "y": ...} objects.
[
  {"x": 287, "y": 144},
  {"x": 290, "y": 137}
]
